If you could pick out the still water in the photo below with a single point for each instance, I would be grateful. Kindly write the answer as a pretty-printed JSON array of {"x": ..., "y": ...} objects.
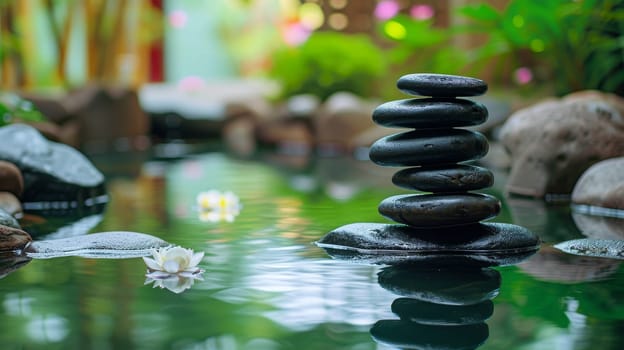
[{"x": 267, "y": 286}]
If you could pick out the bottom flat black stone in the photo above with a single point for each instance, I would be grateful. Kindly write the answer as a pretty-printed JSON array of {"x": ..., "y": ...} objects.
[
  {"x": 482, "y": 244},
  {"x": 414, "y": 310}
]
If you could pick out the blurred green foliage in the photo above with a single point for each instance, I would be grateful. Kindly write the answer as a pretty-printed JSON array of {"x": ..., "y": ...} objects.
[
  {"x": 573, "y": 45},
  {"x": 14, "y": 108},
  {"x": 329, "y": 62}
]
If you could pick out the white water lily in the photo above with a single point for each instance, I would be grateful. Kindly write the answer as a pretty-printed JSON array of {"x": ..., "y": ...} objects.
[
  {"x": 215, "y": 206},
  {"x": 172, "y": 260}
]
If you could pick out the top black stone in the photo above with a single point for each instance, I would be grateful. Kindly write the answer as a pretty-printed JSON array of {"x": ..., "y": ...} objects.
[{"x": 441, "y": 85}]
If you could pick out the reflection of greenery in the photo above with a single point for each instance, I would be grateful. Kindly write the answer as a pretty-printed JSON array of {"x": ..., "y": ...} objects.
[
  {"x": 13, "y": 108},
  {"x": 575, "y": 44},
  {"x": 327, "y": 63}
]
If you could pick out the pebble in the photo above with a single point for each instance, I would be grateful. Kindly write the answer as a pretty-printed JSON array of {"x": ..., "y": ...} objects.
[
  {"x": 430, "y": 113},
  {"x": 441, "y": 85},
  {"x": 11, "y": 179},
  {"x": 439, "y": 210},
  {"x": 444, "y": 178},
  {"x": 425, "y": 147},
  {"x": 12, "y": 239}
]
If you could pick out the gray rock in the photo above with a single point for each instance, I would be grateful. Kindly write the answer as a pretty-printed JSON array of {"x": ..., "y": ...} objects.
[
  {"x": 107, "y": 245},
  {"x": 601, "y": 248},
  {"x": 441, "y": 85},
  {"x": 425, "y": 147},
  {"x": 430, "y": 113},
  {"x": 7, "y": 219},
  {"x": 444, "y": 178},
  {"x": 439, "y": 210},
  {"x": 602, "y": 185},
  {"x": 552, "y": 143},
  {"x": 485, "y": 244},
  {"x": 51, "y": 171}
]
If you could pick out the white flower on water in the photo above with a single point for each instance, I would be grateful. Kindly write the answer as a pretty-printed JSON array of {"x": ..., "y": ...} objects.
[
  {"x": 167, "y": 261},
  {"x": 215, "y": 206}
]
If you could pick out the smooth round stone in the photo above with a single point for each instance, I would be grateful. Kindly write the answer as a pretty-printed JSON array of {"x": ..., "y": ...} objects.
[
  {"x": 441, "y": 85},
  {"x": 430, "y": 113},
  {"x": 482, "y": 244},
  {"x": 426, "y": 147},
  {"x": 442, "y": 286},
  {"x": 401, "y": 334},
  {"x": 444, "y": 178},
  {"x": 439, "y": 210},
  {"x": 12, "y": 239},
  {"x": 423, "y": 312}
]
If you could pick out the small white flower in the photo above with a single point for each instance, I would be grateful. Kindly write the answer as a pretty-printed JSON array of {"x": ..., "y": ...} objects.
[
  {"x": 215, "y": 206},
  {"x": 173, "y": 260}
]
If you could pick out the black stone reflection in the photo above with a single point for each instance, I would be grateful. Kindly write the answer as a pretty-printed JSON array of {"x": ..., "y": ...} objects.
[{"x": 439, "y": 308}]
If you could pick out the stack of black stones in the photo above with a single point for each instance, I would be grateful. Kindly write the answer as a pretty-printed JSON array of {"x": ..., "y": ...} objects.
[
  {"x": 445, "y": 225},
  {"x": 439, "y": 249}
]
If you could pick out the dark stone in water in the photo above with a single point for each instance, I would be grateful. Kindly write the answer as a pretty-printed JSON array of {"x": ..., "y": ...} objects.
[
  {"x": 446, "y": 286},
  {"x": 410, "y": 335},
  {"x": 482, "y": 244},
  {"x": 441, "y": 85},
  {"x": 439, "y": 210},
  {"x": 52, "y": 172},
  {"x": 430, "y": 113},
  {"x": 425, "y": 147},
  {"x": 444, "y": 178},
  {"x": 423, "y": 312},
  {"x": 13, "y": 239}
]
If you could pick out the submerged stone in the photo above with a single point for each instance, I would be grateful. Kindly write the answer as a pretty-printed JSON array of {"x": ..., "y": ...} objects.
[
  {"x": 9, "y": 262},
  {"x": 441, "y": 85},
  {"x": 439, "y": 210},
  {"x": 482, "y": 244},
  {"x": 51, "y": 171},
  {"x": 445, "y": 286},
  {"x": 423, "y": 312},
  {"x": 444, "y": 178},
  {"x": 430, "y": 113},
  {"x": 410, "y": 335},
  {"x": 424, "y": 147},
  {"x": 107, "y": 245}
]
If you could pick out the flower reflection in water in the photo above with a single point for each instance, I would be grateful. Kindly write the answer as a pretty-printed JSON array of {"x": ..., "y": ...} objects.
[
  {"x": 215, "y": 206},
  {"x": 174, "y": 283},
  {"x": 173, "y": 268}
]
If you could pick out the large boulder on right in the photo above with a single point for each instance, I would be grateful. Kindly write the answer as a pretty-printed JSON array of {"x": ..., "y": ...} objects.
[
  {"x": 602, "y": 185},
  {"x": 553, "y": 142}
]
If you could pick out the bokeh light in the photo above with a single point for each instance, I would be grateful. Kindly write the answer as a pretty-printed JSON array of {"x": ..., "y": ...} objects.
[
  {"x": 395, "y": 30},
  {"x": 386, "y": 9},
  {"x": 523, "y": 75},
  {"x": 178, "y": 19},
  {"x": 537, "y": 45},
  {"x": 311, "y": 15},
  {"x": 422, "y": 12}
]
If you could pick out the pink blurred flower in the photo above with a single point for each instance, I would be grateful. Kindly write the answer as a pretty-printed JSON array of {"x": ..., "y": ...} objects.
[
  {"x": 422, "y": 12},
  {"x": 178, "y": 18},
  {"x": 523, "y": 75},
  {"x": 295, "y": 34},
  {"x": 191, "y": 83},
  {"x": 386, "y": 9}
]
